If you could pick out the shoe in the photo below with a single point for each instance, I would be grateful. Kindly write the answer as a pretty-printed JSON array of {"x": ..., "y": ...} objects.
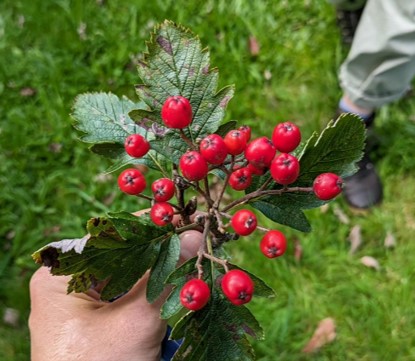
[
  {"x": 347, "y": 21},
  {"x": 364, "y": 188}
]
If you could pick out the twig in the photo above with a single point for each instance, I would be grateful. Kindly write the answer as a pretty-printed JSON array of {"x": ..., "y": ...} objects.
[{"x": 261, "y": 193}]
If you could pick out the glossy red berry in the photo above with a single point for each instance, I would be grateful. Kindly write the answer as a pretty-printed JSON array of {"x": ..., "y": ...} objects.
[
  {"x": 285, "y": 168},
  {"x": 213, "y": 149},
  {"x": 193, "y": 166},
  {"x": 327, "y": 186},
  {"x": 255, "y": 170},
  {"x": 273, "y": 244},
  {"x": 163, "y": 189},
  {"x": 244, "y": 222},
  {"x": 131, "y": 181},
  {"x": 161, "y": 213},
  {"x": 136, "y": 145},
  {"x": 240, "y": 179},
  {"x": 176, "y": 112},
  {"x": 235, "y": 141},
  {"x": 245, "y": 129},
  {"x": 260, "y": 152},
  {"x": 195, "y": 294},
  {"x": 286, "y": 137},
  {"x": 237, "y": 286}
]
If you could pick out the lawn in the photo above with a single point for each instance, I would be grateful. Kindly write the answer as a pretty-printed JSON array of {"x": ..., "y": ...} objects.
[{"x": 50, "y": 51}]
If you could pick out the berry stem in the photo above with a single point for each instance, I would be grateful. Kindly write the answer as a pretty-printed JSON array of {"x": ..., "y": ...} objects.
[
  {"x": 261, "y": 193},
  {"x": 222, "y": 262},
  {"x": 203, "y": 247},
  {"x": 162, "y": 170},
  {"x": 224, "y": 185},
  {"x": 186, "y": 139}
]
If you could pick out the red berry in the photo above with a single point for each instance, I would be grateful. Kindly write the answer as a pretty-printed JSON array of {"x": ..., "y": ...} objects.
[
  {"x": 273, "y": 244},
  {"x": 235, "y": 141},
  {"x": 327, "y": 186},
  {"x": 286, "y": 137},
  {"x": 237, "y": 286},
  {"x": 131, "y": 181},
  {"x": 240, "y": 179},
  {"x": 245, "y": 129},
  {"x": 176, "y": 112},
  {"x": 285, "y": 169},
  {"x": 161, "y": 213},
  {"x": 260, "y": 152},
  {"x": 244, "y": 222},
  {"x": 195, "y": 294},
  {"x": 255, "y": 170},
  {"x": 163, "y": 189},
  {"x": 213, "y": 149},
  {"x": 136, "y": 145},
  {"x": 193, "y": 166}
]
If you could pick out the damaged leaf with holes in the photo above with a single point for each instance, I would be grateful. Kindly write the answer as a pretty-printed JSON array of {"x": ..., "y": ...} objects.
[{"x": 110, "y": 252}]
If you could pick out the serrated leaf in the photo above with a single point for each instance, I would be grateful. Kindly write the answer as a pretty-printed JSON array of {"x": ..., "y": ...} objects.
[
  {"x": 165, "y": 265},
  {"x": 217, "y": 332},
  {"x": 110, "y": 253},
  {"x": 337, "y": 149},
  {"x": 225, "y": 128},
  {"x": 260, "y": 287},
  {"x": 176, "y": 64},
  {"x": 103, "y": 117},
  {"x": 178, "y": 278},
  {"x": 171, "y": 146}
]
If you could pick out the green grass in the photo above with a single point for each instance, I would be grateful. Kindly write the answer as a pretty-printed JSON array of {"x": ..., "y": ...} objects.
[{"x": 49, "y": 180}]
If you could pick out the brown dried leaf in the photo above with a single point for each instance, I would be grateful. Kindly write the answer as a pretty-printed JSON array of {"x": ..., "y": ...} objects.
[
  {"x": 298, "y": 250},
  {"x": 341, "y": 216},
  {"x": 370, "y": 262},
  {"x": 254, "y": 46},
  {"x": 355, "y": 238},
  {"x": 324, "y": 208},
  {"x": 11, "y": 317},
  {"x": 390, "y": 240},
  {"x": 324, "y": 333},
  {"x": 27, "y": 92}
]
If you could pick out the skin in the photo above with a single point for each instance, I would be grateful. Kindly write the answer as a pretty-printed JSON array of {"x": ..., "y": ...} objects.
[{"x": 80, "y": 327}]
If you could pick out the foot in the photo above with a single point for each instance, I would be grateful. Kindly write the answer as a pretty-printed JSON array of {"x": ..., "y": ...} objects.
[{"x": 363, "y": 189}]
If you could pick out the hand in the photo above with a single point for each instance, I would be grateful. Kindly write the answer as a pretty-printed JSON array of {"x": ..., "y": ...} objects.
[{"x": 80, "y": 327}]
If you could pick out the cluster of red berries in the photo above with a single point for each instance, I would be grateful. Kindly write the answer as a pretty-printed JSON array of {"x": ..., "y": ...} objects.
[{"x": 241, "y": 158}]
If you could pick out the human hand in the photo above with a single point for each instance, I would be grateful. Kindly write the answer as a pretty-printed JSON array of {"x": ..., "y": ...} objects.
[{"x": 80, "y": 327}]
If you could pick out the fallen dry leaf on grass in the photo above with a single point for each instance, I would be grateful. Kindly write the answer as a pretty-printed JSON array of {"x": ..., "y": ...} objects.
[
  {"x": 324, "y": 333},
  {"x": 355, "y": 238},
  {"x": 370, "y": 262},
  {"x": 341, "y": 216},
  {"x": 390, "y": 240},
  {"x": 298, "y": 250},
  {"x": 253, "y": 45}
]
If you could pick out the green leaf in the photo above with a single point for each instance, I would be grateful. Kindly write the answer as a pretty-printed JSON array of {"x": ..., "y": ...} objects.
[
  {"x": 103, "y": 118},
  {"x": 217, "y": 332},
  {"x": 281, "y": 213},
  {"x": 178, "y": 278},
  {"x": 176, "y": 64},
  {"x": 260, "y": 287},
  {"x": 110, "y": 252},
  {"x": 171, "y": 146},
  {"x": 165, "y": 265},
  {"x": 225, "y": 128},
  {"x": 337, "y": 149}
]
